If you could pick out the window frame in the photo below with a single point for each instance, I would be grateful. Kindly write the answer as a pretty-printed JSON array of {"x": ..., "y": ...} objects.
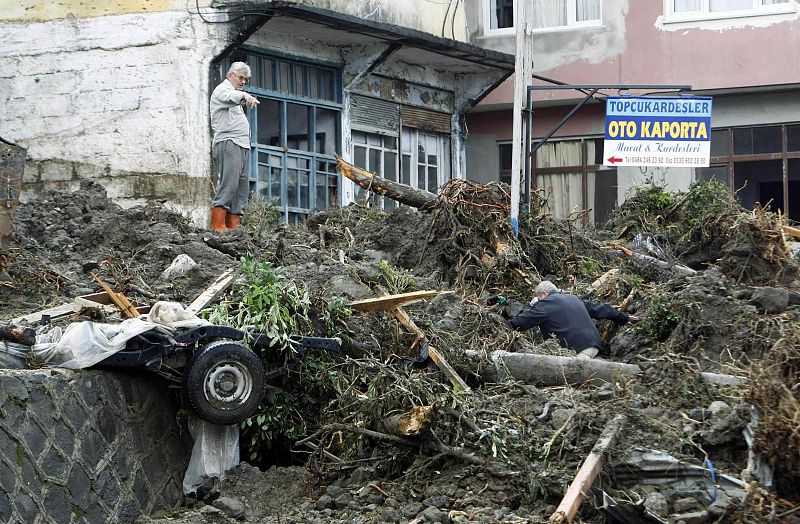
[
  {"x": 729, "y": 160},
  {"x": 320, "y": 165},
  {"x": 572, "y": 21},
  {"x": 705, "y": 14}
]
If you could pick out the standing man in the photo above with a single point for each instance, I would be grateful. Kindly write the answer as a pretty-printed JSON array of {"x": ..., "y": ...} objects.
[
  {"x": 231, "y": 148},
  {"x": 568, "y": 319}
]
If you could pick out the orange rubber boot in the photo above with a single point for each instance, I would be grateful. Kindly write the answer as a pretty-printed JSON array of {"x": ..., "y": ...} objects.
[
  {"x": 232, "y": 220},
  {"x": 218, "y": 219}
]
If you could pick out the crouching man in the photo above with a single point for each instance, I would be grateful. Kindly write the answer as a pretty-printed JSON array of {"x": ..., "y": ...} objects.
[{"x": 568, "y": 319}]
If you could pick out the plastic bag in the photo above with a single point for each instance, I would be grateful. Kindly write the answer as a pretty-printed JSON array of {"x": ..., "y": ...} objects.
[
  {"x": 215, "y": 450},
  {"x": 181, "y": 265}
]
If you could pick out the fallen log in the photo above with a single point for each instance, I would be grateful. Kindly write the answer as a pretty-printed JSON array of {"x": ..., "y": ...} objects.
[
  {"x": 408, "y": 424},
  {"x": 26, "y": 336},
  {"x": 792, "y": 231},
  {"x": 400, "y": 192},
  {"x": 578, "y": 490},
  {"x": 550, "y": 370}
]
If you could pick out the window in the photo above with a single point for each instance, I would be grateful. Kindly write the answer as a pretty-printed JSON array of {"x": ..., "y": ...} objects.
[
  {"x": 502, "y": 14},
  {"x": 547, "y": 14},
  {"x": 377, "y": 154},
  {"x": 572, "y": 176},
  {"x": 296, "y": 129},
  {"x": 506, "y": 154},
  {"x": 758, "y": 167},
  {"x": 425, "y": 159},
  {"x": 678, "y": 10}
]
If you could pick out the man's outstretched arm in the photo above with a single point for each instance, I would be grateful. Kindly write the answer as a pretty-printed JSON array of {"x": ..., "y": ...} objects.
[
  {"x": 604, "y": 311},
  {"x": 528, "y": 318}
]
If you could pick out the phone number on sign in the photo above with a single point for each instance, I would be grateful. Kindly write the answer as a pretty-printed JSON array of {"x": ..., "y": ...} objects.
[{"x": 678, "y": 160}]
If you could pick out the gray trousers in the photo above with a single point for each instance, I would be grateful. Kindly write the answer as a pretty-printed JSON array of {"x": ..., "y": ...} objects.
[{"x": 231, "y": 174}]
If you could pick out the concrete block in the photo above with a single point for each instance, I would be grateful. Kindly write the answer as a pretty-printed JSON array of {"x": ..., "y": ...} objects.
[
  {"x": 55, "y": 105},
  {"x": 50, "y": 171}
]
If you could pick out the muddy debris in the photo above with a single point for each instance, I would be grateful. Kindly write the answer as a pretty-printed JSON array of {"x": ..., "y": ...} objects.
[{"x": 499, "y": 450}]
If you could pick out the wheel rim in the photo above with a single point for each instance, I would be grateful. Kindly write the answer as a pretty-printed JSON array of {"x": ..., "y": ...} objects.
[{"x": 227, "y": 385}]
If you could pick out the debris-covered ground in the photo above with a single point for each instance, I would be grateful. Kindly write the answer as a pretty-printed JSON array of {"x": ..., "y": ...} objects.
[{"x": 715, "y": 287}]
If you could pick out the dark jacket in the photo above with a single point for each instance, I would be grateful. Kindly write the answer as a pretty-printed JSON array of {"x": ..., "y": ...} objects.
[{"x": 569, "y": 319}]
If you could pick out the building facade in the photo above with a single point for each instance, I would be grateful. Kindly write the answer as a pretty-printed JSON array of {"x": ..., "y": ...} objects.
[
  {"x": 118, "y": 92},
  {"x": 743, "y": 53}
]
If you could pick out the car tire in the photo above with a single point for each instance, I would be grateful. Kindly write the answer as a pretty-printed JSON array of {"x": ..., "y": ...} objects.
[{"x": 224, "y": 382}]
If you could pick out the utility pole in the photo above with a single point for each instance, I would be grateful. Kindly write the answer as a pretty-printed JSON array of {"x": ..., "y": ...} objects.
[{"x": 523, "y": 73}]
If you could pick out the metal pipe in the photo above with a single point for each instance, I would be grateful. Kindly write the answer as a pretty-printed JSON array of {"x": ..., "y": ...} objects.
[
  {"x": 610, "y": 86},
  {"x": 528, "y": 134},
  {"x": 563, "y": 120}
]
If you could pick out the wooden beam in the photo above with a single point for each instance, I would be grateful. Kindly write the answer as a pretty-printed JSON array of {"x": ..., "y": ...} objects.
[
  {"x": 443, "y": 365},
  {"x": 793, "y": 231},
  {"x": 579, "y": 489},
  {"x": 212, "y": 292},
  {"x": 53, "y": 312},
  {"x": 389, "y": 302},
  {"x": 119, "y": 299}
]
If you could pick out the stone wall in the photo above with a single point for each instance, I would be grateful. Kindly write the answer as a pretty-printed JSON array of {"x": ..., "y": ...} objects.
[{"x": 88, "y": 446}]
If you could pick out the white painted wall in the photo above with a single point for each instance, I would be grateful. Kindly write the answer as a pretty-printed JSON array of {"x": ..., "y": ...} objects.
[{"x": 112, "y": 98}]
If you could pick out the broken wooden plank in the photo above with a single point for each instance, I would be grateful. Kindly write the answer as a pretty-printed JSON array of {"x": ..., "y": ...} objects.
[
  {"x": 605, "y": 277},
  {"x": 445, "y": 367},
  {"x": 119, "y": 299},
  {"x": 212, "y": 292},
  {"x": 792, "y": 231},
  {"x": 53, "y": 313},
  {"x": 103, "y": 302},
  {"x": 579, "y": 489},
  {"x": 402, "y": 317},
  {"x": 402, "y": 193},
  {"x": 389, "y": 302}
]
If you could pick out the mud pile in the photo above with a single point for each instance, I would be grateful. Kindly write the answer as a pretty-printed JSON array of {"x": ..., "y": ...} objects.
[{"x": 713, "y": 284}]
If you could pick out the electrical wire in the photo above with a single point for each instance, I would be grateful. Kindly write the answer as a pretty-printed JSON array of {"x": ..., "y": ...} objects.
[
  {"x": 444, "y": 20},
  {"x": 239, "y": 14},
  {"x": 453, "y": 21}
]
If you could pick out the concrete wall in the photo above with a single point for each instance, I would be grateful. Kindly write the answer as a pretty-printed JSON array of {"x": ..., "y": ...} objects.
[
  {"x": 87, "y": 446},
  {"x": 121, "y": 99},
  {"x": 422, "y": 15}
]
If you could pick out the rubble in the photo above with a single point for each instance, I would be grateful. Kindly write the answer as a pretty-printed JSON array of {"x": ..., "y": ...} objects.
[{"x": 492, "y": 449}]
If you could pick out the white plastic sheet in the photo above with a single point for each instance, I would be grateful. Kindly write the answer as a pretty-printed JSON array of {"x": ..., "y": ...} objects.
[
  {"x": 215, "y": 450},
  {"x": 84, "y": 344}
]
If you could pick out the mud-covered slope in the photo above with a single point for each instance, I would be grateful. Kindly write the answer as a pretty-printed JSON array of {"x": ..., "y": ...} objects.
[{"x": 722, "y": 298}]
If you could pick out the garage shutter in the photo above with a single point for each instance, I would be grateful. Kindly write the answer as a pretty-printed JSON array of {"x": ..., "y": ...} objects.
[
  {"x": 425, "y": 119},
  {"x": 371, "y": 113}
]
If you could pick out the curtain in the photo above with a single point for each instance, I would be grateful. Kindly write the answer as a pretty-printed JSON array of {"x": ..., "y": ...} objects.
[
  {"x": 682, "y": 6},
  {"x": 549, "y": 13},
  {"x": 729, "y": 5},
  {"x": 587, "y": 10},
  {"x": 563, "y": 190}
]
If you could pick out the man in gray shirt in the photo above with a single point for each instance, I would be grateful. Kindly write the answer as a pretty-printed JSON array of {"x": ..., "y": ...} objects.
[{"x": 231, "y": 148}]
